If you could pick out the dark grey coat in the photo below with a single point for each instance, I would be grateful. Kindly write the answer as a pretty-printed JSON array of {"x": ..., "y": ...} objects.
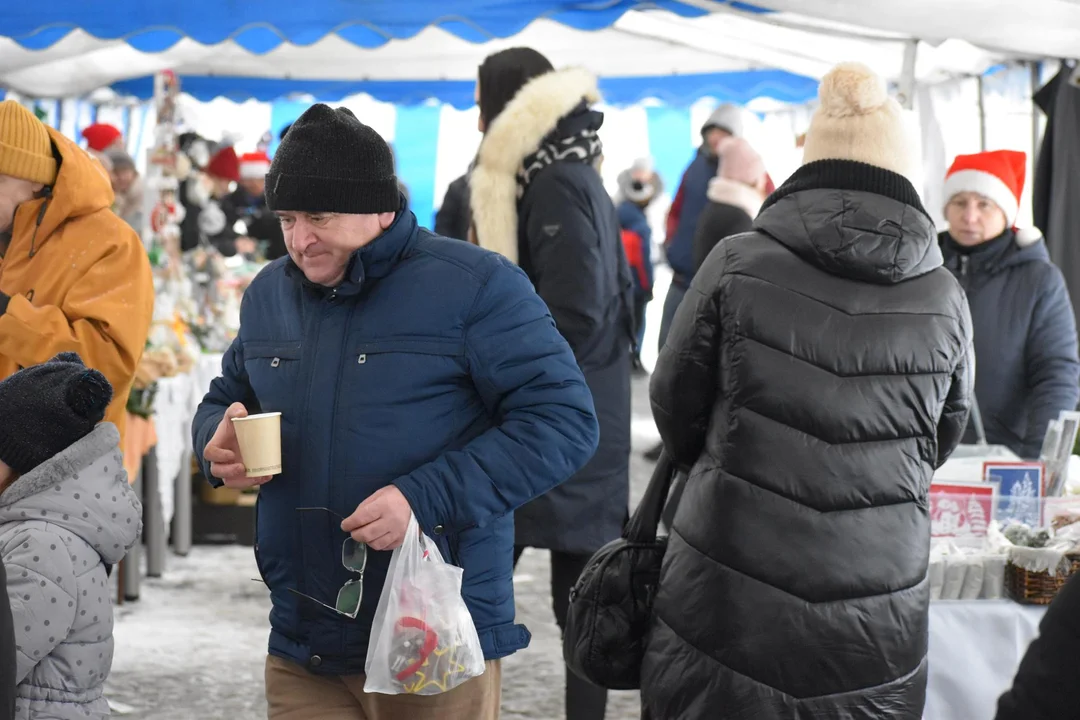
[
  {"x": 582, "y": 275},
  {"x": 815, "y": 376},
  {"x": 1025, "y": 339}
]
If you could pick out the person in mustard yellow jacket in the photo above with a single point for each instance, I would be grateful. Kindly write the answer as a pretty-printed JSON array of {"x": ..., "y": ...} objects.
[{"x": 74, "y": 277}]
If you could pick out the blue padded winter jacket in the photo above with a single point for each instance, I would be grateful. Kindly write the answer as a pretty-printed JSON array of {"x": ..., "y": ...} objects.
[
  {"x": 1027, "y": 370},
  {"x": 434, "y": 367}
]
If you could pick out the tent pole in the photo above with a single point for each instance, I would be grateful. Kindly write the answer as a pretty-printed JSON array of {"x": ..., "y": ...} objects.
[
  {"x": 982, "y": 114},
  {"x": 1036, "y": 125},
  {"x": 907, "y": 74}
]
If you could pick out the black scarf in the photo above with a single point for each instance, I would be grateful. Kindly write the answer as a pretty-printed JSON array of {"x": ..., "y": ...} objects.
[{"x": 574, "y": 139}]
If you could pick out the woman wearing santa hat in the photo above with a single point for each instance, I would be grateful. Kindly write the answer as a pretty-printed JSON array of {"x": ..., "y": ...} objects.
[
  {"x": 248, "y": 203},
  {"x": 1025, "y": 330},
  {"x": 102, "y": 137}
]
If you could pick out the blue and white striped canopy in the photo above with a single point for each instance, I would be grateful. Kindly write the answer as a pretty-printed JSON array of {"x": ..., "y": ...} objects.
[
  {"x": 410, "y": 51},
  {"x": 154, "y": 26}
]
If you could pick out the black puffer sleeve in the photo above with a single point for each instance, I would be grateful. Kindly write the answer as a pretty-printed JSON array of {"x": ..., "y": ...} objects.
[
  {"x": 954, "y": 417},
  {"x": 684, "y": 383}
]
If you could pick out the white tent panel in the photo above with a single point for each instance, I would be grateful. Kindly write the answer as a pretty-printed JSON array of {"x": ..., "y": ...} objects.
[
  {"x": 1033, "y": 28},
  {"x": 641, "y": 43}
]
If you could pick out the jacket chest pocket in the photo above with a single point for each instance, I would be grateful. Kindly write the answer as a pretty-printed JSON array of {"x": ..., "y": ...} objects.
[
  {"x": 405, "y": 370},
  {"x": 272, "y": 369}
]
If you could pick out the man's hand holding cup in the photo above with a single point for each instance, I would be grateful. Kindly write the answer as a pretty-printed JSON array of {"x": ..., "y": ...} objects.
[{"x": 223, "y": 453}]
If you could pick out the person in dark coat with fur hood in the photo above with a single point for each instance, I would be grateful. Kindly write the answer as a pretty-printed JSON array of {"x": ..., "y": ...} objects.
[
  {"x": 1025, "y": 329},
  {"x": 538, "y": 199},
  {"x": 817, "y": 372}
]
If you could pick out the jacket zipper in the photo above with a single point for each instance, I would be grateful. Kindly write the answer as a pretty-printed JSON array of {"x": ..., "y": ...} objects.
[{"x": 964, "y": 259}]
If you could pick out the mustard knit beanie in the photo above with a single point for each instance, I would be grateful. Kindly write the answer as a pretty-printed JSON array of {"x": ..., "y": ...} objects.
[{"x": 25, "y": 148}]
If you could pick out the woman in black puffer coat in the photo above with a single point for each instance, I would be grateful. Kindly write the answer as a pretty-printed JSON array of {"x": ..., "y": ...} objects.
[
  {"x": 735, "y": 197},
  {"x": 815, "y": 376}
]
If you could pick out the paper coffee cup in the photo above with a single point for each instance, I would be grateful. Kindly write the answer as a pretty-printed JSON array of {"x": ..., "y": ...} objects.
[{"x": 260, "y": 443}]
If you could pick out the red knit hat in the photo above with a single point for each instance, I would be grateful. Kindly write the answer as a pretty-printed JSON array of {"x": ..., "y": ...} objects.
[
  {"x": 224, "y": 165},
  {"x": 997, "y": 175},
  {"x": 254, "y": 165},
  {"x": 100, "y": 136}
]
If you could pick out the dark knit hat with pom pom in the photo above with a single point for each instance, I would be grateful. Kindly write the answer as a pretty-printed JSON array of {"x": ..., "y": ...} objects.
[{"x": 46, "y": 408}]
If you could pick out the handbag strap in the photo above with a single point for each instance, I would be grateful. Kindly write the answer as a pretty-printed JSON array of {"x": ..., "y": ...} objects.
[{"x": 646, "y": 518}]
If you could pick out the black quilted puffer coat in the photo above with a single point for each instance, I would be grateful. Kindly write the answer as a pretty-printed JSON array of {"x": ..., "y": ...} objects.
[{"x": 816, "y": 374}]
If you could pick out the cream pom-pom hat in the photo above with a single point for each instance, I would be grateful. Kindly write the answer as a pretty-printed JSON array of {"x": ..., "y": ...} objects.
[{"x": 857, "y": 120}]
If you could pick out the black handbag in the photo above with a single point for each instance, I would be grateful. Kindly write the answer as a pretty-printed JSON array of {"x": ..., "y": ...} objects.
[{"x": 611, "y": 603}]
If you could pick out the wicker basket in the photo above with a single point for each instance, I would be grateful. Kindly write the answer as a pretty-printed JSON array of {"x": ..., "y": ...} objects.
[{"x": 1036, "y": 588}]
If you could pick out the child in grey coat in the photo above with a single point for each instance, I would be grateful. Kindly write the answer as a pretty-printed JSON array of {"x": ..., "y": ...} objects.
[{"x": 66, "y": 513}]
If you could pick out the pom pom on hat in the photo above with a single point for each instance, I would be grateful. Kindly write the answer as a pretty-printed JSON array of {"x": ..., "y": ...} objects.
[
  {"x": 49, "y": 407},
  {"x": 67, "y": 357},
  {"x": 852, "y": 89},
  {"x": 88, "y": 394},
  {"x": 857, "y": 120}
]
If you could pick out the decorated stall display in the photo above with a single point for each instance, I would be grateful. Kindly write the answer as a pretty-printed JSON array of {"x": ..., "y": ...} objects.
[
  {"x": 198, "y": 289},
  {"x": 196, "y": 308},
  {"x": 1040, "y": 560},
  {"x": 961, "y": 509},
  {"x": 1058, "y": 446},
  {"x": 1019, "y": 488}
]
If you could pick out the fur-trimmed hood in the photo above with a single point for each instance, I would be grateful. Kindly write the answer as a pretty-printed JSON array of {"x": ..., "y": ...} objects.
[
  {"x": 730, "y": 192},
  {"x": 83, "y": 490},
  {"x": 517, "y": 132}
]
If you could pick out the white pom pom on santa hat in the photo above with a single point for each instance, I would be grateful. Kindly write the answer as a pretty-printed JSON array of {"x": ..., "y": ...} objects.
[{"x": 1028, "y": 236}]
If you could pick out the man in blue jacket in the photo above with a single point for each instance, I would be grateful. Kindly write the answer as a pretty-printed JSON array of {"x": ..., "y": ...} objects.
[{"x": 415, "y": 375}]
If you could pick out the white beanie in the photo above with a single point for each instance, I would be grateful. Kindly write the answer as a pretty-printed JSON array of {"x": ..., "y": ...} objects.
[
  {"x": 857, "y": 120},
  {"x": 726, "y": 117}
]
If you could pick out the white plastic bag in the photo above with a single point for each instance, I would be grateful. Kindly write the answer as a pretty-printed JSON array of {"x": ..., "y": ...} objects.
[{"x": 423, "y": 641}]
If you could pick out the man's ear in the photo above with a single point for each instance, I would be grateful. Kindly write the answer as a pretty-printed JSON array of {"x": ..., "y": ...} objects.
[
  {"x": 38, "y": 187},
  {"x": 386, "y": 219}
]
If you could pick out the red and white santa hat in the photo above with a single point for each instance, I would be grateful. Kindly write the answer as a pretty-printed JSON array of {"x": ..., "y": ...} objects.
[
  {"x": 997, "y": 175},
  {"x": 254, "y": 165}
]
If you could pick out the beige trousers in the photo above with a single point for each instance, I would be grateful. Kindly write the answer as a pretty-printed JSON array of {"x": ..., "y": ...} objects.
[{"x": 292, "y": 693}]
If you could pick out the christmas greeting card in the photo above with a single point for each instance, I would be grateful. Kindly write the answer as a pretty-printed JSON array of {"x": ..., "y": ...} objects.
[
  {"x": 1019, "y": 491},
  {"x": 961, "y": 509}
]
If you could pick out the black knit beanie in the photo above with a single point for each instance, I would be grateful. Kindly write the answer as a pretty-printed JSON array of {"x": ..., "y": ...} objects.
[
  {"x": 331, "y": 162},
  {"x": 46, "y": 408}
]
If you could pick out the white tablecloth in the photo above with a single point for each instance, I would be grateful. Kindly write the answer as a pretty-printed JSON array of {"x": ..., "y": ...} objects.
[
  {"x": 174, "y": 408},
  {"x": 975, "y": 649}
]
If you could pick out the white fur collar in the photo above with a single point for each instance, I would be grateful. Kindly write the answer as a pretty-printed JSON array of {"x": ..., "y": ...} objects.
[
  {"x": 729, "y": 192},
  {"x": 517, "y": 131}
]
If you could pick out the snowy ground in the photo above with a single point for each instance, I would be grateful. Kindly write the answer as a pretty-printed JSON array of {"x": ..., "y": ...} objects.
[{"x": 194, "y": 644}]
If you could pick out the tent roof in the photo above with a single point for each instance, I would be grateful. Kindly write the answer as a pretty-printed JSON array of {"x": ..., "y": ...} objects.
[
  {"x": 156, "y": 25},
  {"x": 687, "y": 50}
]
